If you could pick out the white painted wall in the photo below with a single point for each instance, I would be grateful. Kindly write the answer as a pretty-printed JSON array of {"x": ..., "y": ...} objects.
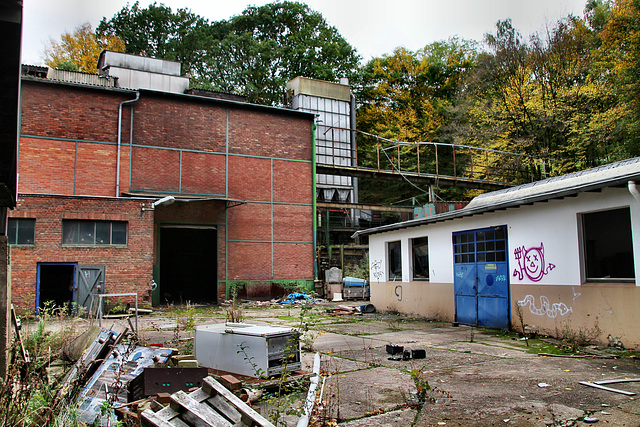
[{"x": 554, "y": 224}]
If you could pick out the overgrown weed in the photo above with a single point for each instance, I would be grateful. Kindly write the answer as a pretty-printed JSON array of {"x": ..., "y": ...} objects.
[
  {"x": 27, "y": 397},
  {"x": 576, "y": 339}
]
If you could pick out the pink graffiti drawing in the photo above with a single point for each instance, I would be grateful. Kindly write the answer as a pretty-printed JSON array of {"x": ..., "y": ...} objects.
[{"x": 531, "y": 263}]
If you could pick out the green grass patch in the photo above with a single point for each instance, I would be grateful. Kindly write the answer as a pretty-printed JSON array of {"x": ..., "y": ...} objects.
[{"x": 537, "y": 346}]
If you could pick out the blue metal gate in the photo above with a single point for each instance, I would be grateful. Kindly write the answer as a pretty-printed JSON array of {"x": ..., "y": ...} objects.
[{"x": 481, "y": 277}]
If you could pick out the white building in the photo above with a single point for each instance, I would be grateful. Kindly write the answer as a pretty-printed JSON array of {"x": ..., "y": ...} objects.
[{"x": 561, "y": 251}]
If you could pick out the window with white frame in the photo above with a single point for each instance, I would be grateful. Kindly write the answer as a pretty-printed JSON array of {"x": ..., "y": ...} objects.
[
  {"x": 394, "y": 258},
  {"x": 420, "y": 258},
  {"x": 88, "y": 233},
  {"x": 607, "y": 246}
]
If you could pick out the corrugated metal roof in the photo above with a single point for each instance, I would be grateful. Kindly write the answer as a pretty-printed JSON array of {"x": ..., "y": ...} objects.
[{"x": 610, "y": 175}]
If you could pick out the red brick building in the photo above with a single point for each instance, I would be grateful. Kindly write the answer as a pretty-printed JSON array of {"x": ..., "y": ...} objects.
[{"x": 92, "y": 162}]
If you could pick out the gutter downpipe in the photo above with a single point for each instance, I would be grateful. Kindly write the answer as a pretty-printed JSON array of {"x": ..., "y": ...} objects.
[
  {"x": 633, "y": 189},
  {"x": 130, "y": 101},
  {"x": 313, "y": 196}
]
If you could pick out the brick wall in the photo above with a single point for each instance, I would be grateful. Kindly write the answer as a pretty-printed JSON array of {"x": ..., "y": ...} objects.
[
  {"x": 72, "y": 112},
  {"x": 128, "y": 269},
  {"x": 259, "y": 133},
  {"x": 68, "y": 146},
  {"x": 180, "y": 123},
  {"x": 69, "y": 137}
]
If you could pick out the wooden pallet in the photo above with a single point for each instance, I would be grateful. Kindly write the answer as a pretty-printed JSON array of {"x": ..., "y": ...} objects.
[{"x": 210, "y": 405}]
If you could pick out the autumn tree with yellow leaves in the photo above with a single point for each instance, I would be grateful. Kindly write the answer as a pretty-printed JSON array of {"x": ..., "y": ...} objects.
[{"x": 79, "y": 51}]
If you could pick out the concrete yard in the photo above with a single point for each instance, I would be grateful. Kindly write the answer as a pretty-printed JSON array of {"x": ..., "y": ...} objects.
[{"x": 477, "y": 377}]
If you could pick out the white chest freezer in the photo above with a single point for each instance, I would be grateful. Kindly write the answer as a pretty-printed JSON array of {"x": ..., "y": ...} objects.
[{"x": 245, "y": 349}]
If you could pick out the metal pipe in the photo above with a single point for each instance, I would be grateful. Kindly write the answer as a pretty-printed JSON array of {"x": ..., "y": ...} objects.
[
  {"x": 446, "y": 144},
  {"x": 313, "y": 198},
  {"x": 309, "y": 403},
  {"x": 352, "y": 134},
  {"x": 633, "y": 189},
  {"x": 130, "y": 101}
]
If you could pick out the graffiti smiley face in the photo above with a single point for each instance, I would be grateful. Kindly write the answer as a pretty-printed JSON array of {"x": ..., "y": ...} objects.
[
  {"x": 534, "y": 263},
  {"x": 531, "y": 263}
]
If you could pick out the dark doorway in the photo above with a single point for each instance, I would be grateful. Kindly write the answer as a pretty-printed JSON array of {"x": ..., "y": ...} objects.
[
  {"x": 188, "y": 265},
  {"x": 55, "y": 285}
]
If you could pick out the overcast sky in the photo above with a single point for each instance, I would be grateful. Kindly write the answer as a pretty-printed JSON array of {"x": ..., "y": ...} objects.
[{"x": 373, "y": 27}]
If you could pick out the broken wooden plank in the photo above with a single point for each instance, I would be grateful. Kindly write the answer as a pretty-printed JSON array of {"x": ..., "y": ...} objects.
[
  {"x": 213, "y": 387},
  {"x": 155, "y": 419},
  {"x": 192, "y": 412},
  {"x": 211, "y": 405},
  {"x": 16, "y": 325},
  {"x": 601, "y": 387},
  {"x": 218, "y": 403},
  {"x": 225, "y": 409}
]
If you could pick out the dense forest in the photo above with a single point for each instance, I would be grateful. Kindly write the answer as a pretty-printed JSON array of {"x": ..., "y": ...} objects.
[{"x": 569, "y": 95}]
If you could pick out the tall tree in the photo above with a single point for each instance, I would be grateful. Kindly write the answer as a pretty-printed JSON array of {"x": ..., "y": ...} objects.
[
  {"x": 545, "y": 98},
  {"x": 253, "y": 54},
  {"x": 405, "y": 97},
  {"x": 258, "y": 51},
  {"x": 620, "y": 54},
  {"x": 79, "y": 51},
  {"x": 158, "y": 32}
]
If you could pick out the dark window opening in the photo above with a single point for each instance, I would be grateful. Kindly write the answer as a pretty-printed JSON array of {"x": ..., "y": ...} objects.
[
  {"x": 395, "y": 260},
  {"x": 21, "y": 231},
  {"x": 88, "y": 233},
  {"x": 608, "y": 247},
  {"x": 420, "y": 253}
]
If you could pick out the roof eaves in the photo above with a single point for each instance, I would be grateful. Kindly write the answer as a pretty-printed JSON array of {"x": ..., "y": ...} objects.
[
  {"x": 513, "y": 203},
  {"x": 238, "y": 104},
  {"x": 75, "y": 84}
]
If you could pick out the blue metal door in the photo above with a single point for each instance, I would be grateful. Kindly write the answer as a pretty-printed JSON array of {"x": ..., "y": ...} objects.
[{"x": 481, "y": 279}]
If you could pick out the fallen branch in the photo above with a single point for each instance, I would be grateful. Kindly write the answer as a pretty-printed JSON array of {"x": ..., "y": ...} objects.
[{"x": 576, "y": 356}]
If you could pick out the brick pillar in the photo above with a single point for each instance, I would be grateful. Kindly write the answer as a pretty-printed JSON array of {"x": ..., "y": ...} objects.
[{"x": 5, "y": 306}]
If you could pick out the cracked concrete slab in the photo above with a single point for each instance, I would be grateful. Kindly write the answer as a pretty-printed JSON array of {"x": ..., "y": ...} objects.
[
  {"x": 478, "y": 377},
  {"x": 355, "y": 394},
  {"x": 329, "y": 342}
]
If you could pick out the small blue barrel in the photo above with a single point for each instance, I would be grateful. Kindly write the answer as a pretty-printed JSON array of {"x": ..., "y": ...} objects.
[
  {"x": 367, "y": 308},
  {"x": 353, "y": 281}
]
